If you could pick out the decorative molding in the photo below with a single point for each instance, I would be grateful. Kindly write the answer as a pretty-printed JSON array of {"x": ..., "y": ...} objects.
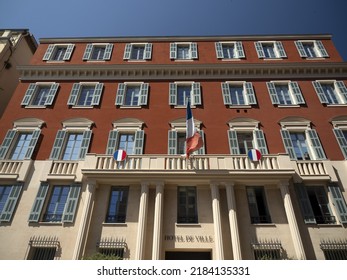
[{"x": 184, "y": 72}]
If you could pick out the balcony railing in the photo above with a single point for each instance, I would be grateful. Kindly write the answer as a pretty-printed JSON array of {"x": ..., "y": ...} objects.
[
  {"x": 311, "y": 168},
  {"x": 63, "y": 167},
  {"x": 15, "y": 169},
  {"x": 176, "y": 162}
]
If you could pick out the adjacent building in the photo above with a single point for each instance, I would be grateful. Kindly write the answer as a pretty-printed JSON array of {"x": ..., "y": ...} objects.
[
  {"x": 17, "y": 47},
  {"x": 269, "y": 182}
]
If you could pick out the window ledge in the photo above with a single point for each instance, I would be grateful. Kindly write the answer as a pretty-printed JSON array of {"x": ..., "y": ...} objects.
[
  {"x": 49, "y": 223},
  {"x": 325, "y": 225},
  {"x": 115, "y": 224},
  {"x": 184, "y": 60},
  {"x": 231, "y": 59},
  {"x": 273, "y": 58},
  {"x": 95, "y": 60},
  {"x": 183, "y": 106},
  {"x": 82, "y": 107},
  {"x": 35, "y": 107},
  {"x": 240, "y": 106},
  {"x": 55, "y": 61},
  {"x": 336, "y": 105},
  {"x": 315, "y": 58},
  {"x": 130, "y": 107},
  {"x": 288, "y": 106},
  {"x": 136, "y": 60},
  {"x": 264, "y": 225},
  {"x": 187, "y": 225}
]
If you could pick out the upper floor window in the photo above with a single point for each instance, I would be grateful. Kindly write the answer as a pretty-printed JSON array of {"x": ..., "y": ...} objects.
[
  {"x": 117, "y": 205},
  {"x": 301, "y": 142},
  {"x": 257, "y": 205},
  {"x": 98, "y": 52},
  {"x": 245, "y": 135},
  {"x": 85, "y": 94},
  {"x": 270, "y": 49},
  {"x": 340, "y": 131},
  {"x": 285, "y": 93},
  {"x": 331, "y": 92},
  {"x": 177, "y": 137},
  {"x": 127, "y": 135},
  {"x": 58, "y": 52},
  {"x": 132, "y": 94},
  {"x": 9, "y": 195},
  {"x": 229, "y": 50},
  {"x": 179, "y": 92},
  {"x": 19, "y": 143},
  {"x": 187, "y": 205},
  {"x": 40, "y": 94},
  {"x": 238, "y": 93},
  {"x": 183, "y": 51},
  {"x": 56, "y": 203},
  {"x": 72, "y": 142},
  {"x": 138, "y": 51},
  {"x": 311, "y": 49}
]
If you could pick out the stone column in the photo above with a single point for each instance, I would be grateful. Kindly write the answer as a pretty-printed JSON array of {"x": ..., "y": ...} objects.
[
  {"x": 217, "y": 222},
  {"x": 158, "y": 221},
  {"x": 234, "y": 228},
  {"x": 141, "y": 230},
  {"x": 85, "y": 220},
  {"x": 293, "y": 225}
]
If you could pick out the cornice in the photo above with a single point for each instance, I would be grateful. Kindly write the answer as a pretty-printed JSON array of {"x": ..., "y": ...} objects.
[
  {"x": 185, "y": 38},
  {"x": 180, "y": 72}
]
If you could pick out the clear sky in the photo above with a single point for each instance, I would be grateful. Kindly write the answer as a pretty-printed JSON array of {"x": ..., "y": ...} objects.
[{"x": 90, "y": 18}]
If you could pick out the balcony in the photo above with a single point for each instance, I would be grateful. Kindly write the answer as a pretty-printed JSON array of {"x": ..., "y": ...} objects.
[
  {"x": 147, "y": 165},
  {"x": 15, "y": 169},
  {"x": 314, "y": 169},
  {"x": 62, "y": 169}
]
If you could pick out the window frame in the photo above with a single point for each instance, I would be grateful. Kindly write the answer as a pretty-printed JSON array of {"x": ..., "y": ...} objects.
[
  {"x": 32, "y": 91},
  {"x": 77, "y": 89},
  {"x": 147, "y": 51},
  {"x": 294, "y": 92},
  {"x": 340, "y": 91},
  {"x": 318, "y": 47},
  {"x": 42, "y": 201},
  {"x": 340, "y": 132},
  {"x": 51, "y": 52},
  {"x": 247, "y": 92},
  {"x": 278, "y": 49},
  {"x": 258, "y": 219},
  {"x": 186, "y": 217},
  {"x": 192, "y": 51},
  {"x": 195, "y": 94},
  {"x": 8, "y": 209},
  {"x": 121, "y": 94},
  {"x": 238, "y": 51},
  {"x": 90, "y": 48},
  {"x": 123, "y": 204}
]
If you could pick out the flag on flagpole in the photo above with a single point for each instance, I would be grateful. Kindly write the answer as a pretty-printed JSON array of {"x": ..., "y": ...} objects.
[{"x": 193, "y": 138}]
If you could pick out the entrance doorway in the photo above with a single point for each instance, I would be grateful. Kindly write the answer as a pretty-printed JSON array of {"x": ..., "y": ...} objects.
[{"x": 183, "y": 255}]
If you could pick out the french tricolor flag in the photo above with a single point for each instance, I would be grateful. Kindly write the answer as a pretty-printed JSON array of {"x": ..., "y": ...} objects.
[
  {"x": 193, "y": 138},
  {"x": 120, "y": 155},
  {"x": 254, "y": 155}
]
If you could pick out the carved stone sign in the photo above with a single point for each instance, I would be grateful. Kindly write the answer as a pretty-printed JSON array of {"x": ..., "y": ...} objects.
[{"x": 189, "y": 238}]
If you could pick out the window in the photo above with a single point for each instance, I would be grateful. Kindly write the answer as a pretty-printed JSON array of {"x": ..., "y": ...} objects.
[
  {"x": 187, "y": 205},
  {"x": 40, "y": 94},
  {"x": 340, "y": 131},
  {"x": 112, "y": 247},
  {"x": 183, "y": 51},
  {"x": 334, "y": 250},
  {"x": 314, "y": 204},
  {"x": 9, "y": 195},
  {"x": 303, "y": 144},
  {"x": 71, "y": 145},
  {"x": 19, "y": 144},
  {"x": 43, "y": 248},
  {"x": 270, "y": 49},
  {"x": 138, "y": 51},
  {"x": 177, "y": 137},
  {"x": 85, "y": 94},
  {"x": 98, "y": 52},
  {"x": 285, "y": 93},
  {"x": 241, "y": 141},
  {"x": 311, "y": 49},
  {"x": 57, "y": 203},
  {"x": 331, "y": 92},
  {"x": 117, "y": 206},
  {"x": 229, "y": 50},
  {"x": 132, "y": 94},
  {"x": 72, "y": 142},
  {"x": 267, "y": 250},
  {"x": 179, "y": 92},
  {"x": 130, "y": 141},
  {"x": 257, "y": 205},
  {"x": 238, "y": 93},
  {"x": 58, "y": 52}
]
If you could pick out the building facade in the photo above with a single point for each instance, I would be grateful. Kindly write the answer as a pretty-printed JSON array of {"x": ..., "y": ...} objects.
[
  {"x": 63, "y": 195},
  {"x": 17, "y": 46}
]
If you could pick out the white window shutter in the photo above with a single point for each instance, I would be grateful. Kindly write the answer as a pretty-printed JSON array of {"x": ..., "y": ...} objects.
[
  {"x": 173, "y": 94},
  {"x": 29, "y": 94},
  {"x": 127, "y": 51},
  {"x": 297, "y": 92},
  {"x": 97, "y": 94},
  {"x": 280, "y": 49},
  {"x": 143, "y": 94},
  {"x": 259, "y": 49},
  {"x": 194, "y": 50},
  {"x": 226, "y": 94},
  {"x": 148, "y": 51},
  {"x": 68, "y": 52},
  {"x": 239, "y": 50},
  {"x": 173, "y": 50},
  {"x": 48, "y": 52},
  {"x": 108, "y": 51},
  {"x": 88, "y": 52},
  {"x": 120, "y": 94},
  {"x": 250, "y": 93},
  {"x": 321, "y": 49},
  {"x": 320, "y": 92},
  {"x": 74, "y": 94},
  {"x": 6, "y": 143},
  {"x": 51, "y": 94},
  {"x": 300, "y": 48},
  {"x": 273, "y": 93},
  {"x": 219, "y": 49}
]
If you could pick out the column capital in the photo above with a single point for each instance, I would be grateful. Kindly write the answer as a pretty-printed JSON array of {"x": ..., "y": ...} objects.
[{"x": 283, "y": 183}]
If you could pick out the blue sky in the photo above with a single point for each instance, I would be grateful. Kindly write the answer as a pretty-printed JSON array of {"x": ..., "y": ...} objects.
[{"x": 90, "y": 18}]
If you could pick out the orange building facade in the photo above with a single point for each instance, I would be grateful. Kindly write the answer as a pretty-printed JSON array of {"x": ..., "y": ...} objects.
[{"x": 64, "y": 195}]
